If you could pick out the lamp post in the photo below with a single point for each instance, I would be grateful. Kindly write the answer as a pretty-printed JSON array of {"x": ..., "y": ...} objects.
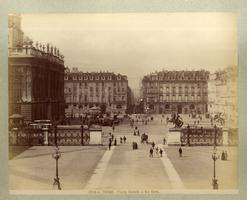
[
  {"x": 188, "y": 135},
  {"x": 56, "y": 156},
  {"x": 215, "y": 158}
]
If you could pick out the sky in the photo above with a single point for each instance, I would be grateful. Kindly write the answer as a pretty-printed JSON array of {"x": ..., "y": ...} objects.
[{"x": 136, "y": 44}]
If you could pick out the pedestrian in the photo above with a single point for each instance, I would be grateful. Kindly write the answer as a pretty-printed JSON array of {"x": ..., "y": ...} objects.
[
  {"x": 164, "y": 141},
  {"x": 115, "y": 142},
  {"x": 121, "y": 140},
  {"x": 161, "y": 151},
  {"x": 113, "y": 128},
  {"x": 153, "y": 145},
  {"x": 110, "y": 144},
  {"x": 223, "y": 156},
  {"x": 112, "y": 137},
  {"x": 180, "y": 152},
  {"x": 157, "y": 150},
  {"x": 124, "y": 138},
  {"x": 151, "y": 152},
  {"x": 138, "y": 133}
]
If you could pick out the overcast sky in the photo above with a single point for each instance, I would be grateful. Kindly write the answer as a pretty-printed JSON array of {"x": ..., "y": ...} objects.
[{"x": 137, "y": 44}]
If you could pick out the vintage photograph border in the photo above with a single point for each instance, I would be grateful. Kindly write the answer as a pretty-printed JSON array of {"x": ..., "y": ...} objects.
[{"x": 111, "y": 6}]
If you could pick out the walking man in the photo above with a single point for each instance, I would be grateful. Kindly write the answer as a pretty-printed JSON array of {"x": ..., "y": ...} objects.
[
  {"x": 180, "y": 152},
  {"x": 121, "y": 140},
  {"x": 161, "y": 151},
  {"x": 124, "y": 138},
  {"x": 115, "y": 142},
  {"x": 151, "y": 152},
  {"x": 164, "y": 141},
  {"x": 110, "y": 144}
]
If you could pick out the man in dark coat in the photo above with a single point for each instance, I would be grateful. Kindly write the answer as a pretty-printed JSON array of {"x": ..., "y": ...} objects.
[{"x": 180, "y": 152}]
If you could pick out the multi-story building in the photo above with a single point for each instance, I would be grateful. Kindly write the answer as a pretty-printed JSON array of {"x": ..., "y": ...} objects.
[
  {"x": 105, "y": 90},
  {"x": 175, "y": 91},
  {"x": 222, "y": 95},
  {"x": 36, "y": 79}
]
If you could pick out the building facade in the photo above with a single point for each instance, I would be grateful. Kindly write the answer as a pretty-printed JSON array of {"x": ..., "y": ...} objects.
[
  {"x": 36, "y": 81},
  {"x": 175, "y": 91},
  {"x": 222, "y": 95},
  {"x": 84, "y": 90}
]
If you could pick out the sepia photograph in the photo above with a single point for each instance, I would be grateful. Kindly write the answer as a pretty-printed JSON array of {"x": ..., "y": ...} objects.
[{"x": 123, "y": 103}]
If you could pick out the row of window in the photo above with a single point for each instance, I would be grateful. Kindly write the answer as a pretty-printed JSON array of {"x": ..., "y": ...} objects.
[
  {"x": 179, "y": 94},
  {"x": 91, "y": 105},
  {"x": 85, "y": 98},
  {"x": 177, "y": 88},
  {"x": 155, "y": 78},
  {"x": 91, "y": 77},
  {"x": 97, "y": 89},
  {"x": 98, "y": 84},
  {"x": 174, "y": 98}
]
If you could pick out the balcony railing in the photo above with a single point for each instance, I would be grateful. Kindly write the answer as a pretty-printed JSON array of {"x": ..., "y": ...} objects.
[{"x": 33, "y": 52}]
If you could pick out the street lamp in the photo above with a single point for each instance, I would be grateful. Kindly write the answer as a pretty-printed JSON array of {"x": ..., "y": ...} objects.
[
  {"x": 56, "y": 156},
  {"x": 215, "y": 157},
  {"x": 188, "y": 135}
]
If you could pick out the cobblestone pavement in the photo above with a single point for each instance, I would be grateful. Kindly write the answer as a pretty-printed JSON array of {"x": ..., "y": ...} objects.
[{"x": 96, "y": 167}]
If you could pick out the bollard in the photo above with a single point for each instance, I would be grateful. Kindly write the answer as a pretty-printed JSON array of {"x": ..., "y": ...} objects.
[{"x": 45, "y": 133}]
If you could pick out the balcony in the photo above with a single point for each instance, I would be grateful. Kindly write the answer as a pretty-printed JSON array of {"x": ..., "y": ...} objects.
[{"x": 33, "y": 52}]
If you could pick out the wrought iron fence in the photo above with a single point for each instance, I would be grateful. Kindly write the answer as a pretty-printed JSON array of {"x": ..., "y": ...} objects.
[{"x": 62, "y": 136}]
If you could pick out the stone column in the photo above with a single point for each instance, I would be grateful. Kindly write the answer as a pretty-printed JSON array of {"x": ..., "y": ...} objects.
[{"x": 45, "y": 133}]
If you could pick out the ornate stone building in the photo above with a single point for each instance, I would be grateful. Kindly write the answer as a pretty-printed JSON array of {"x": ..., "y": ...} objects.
[
  {"x": 36, "y": 80},
  {"x": 105, "y": 90},
  {"x": 222, "y": 95},
  {"x": 175, "y": 91}
]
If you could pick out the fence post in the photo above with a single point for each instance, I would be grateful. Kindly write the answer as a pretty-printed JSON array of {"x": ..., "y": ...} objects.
[{"x": 82, "y": 142}]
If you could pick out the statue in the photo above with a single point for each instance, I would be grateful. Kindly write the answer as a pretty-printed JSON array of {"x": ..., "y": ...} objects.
[
  {"x": 48, "y": 48},
  {"x": 178, "y": 122},
  {"x": 55, "y": 51}
]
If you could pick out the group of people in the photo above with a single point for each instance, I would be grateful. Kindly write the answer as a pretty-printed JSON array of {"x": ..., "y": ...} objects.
[
  {"x": 140, "y": 118},
  {"x": 113, "y": 139},
  {"x": 157, "y": 150}
]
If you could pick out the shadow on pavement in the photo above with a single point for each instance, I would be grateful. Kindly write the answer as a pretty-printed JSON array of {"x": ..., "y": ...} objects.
[
  {"x": 49, "y": 153},
  {"x": 16, "y": 150}
]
